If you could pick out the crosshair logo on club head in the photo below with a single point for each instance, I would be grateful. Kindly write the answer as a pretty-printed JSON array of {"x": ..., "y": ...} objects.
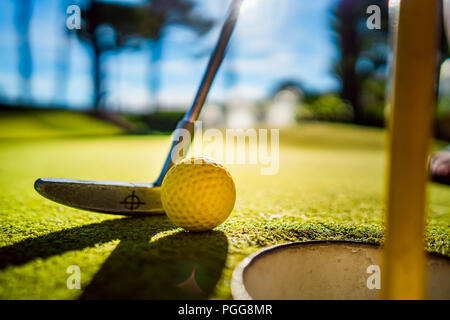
[{"x": 132, "y": 202}]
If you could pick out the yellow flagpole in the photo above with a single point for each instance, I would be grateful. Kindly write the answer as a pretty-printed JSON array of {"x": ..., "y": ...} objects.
[{"x": 403, "y": 270}]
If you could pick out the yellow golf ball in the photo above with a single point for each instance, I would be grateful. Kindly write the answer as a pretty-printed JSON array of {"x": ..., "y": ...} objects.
[{"x": 198, "y": 194}]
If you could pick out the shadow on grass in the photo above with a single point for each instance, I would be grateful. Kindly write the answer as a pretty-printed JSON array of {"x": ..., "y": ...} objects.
[{"x": 179, "y": 266}]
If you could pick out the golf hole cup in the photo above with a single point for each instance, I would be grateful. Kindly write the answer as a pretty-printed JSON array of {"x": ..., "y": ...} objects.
[{"x": 198, "y": 194}]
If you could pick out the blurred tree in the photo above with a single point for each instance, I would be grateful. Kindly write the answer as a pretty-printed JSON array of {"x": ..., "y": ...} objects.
[
  {"x": 327, "y": 107},
  {"x": 62, "y": 59},
  {"x": 362, "y": 54},
  {"x": 107, "y": 26},
  {"x": 167, "y": 13},
  {"x": 22, "y": 17},
  {"x": 289, "y": 84},
  {"x": 114, "y": 26}
]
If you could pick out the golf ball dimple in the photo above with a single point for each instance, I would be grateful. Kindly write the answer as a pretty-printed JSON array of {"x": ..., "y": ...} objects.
[{"x": 198, "y": 194}]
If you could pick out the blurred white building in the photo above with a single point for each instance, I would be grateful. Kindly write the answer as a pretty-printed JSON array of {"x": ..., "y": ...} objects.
[
  {"x": 283, "y": 108},
  {"x": 279, "y": 111},
  {"x": 241, "y": 113},
  {"x": 213, "y": 116}
]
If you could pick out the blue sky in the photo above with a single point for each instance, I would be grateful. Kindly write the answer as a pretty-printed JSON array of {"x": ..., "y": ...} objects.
[{"x": 274, "y": 40}]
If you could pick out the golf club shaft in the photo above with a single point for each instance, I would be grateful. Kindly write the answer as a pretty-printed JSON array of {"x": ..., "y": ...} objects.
[
  {"x": 214, "y": 62},
  {"x": 187, "y": 123}
]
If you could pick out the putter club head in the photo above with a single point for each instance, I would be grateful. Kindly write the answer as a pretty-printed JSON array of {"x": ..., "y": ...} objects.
[
  {"x": 129, "y": 198},
  {"x": 114, "y": 197}
]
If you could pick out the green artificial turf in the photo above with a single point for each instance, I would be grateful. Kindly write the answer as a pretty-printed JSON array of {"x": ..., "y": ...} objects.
[
  {"x": 329, "y": 186},
  {"x": 51, "y": 123}
]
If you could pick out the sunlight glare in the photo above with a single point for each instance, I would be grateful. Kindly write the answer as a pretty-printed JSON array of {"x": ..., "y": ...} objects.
[{"x": 248, "y": 5}]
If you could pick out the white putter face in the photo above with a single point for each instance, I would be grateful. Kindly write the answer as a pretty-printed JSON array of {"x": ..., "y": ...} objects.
[
  {"x": 129, "y": 198},
  {"x": 125, "y": 198}
]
